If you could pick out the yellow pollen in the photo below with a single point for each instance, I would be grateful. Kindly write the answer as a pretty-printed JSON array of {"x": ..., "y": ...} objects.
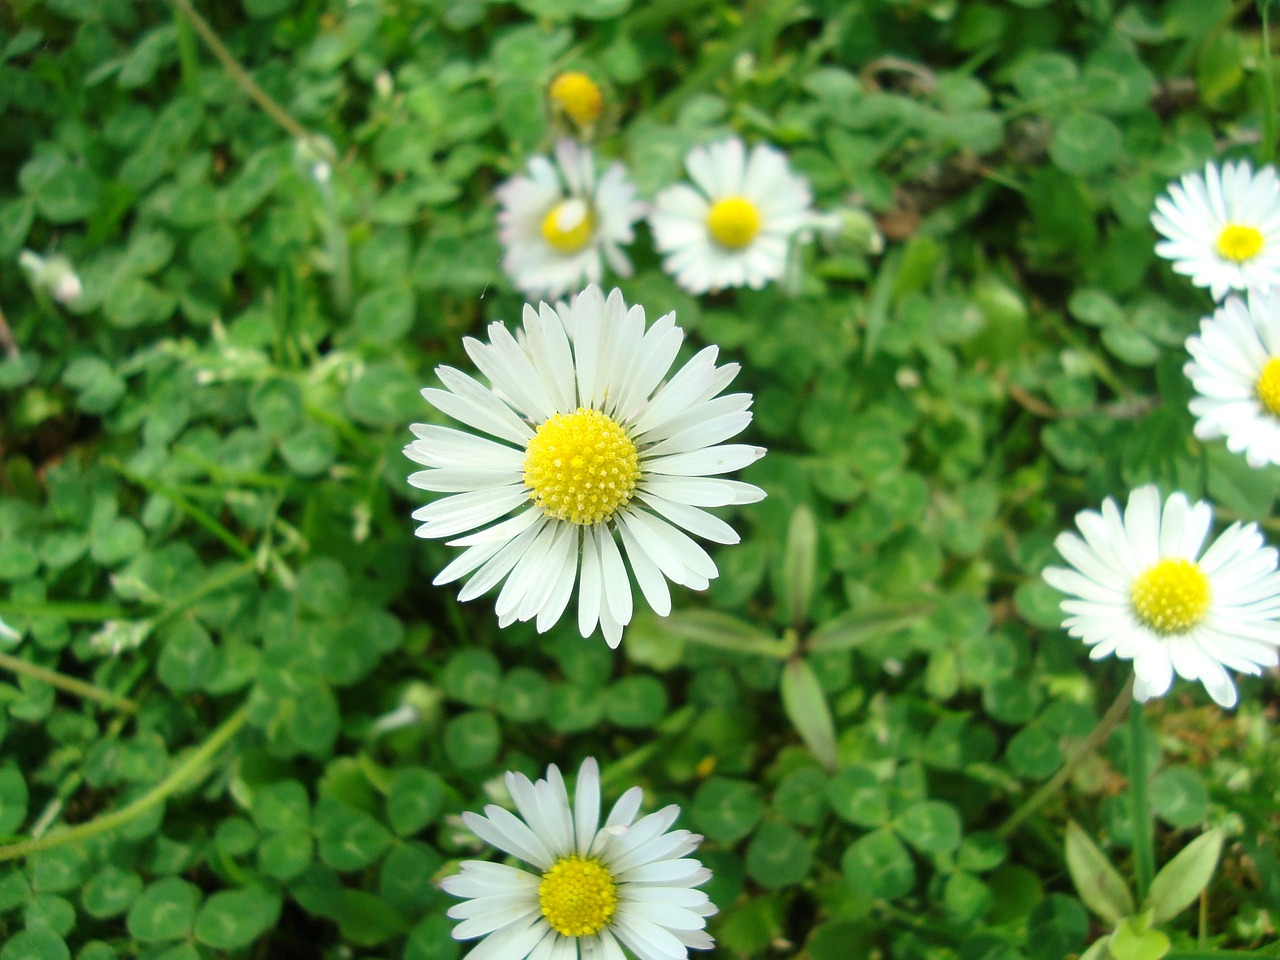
[
  {"x": 578, "y": 96},
  {"x": 1172, "y": 596},
  {"x": 568, "y": 226},
  {"x": 578, "y": 896},
  {"x": 733, "y": 222},
  {"x": 1239, "y": 243},
  {"x": 1268, "y": 386},
  {"x": 581, "y": 467}
]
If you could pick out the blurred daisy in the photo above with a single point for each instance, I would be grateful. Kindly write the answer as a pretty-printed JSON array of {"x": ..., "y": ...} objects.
[
  {"x": 1222, "y": 229},
  {"x": 586, "y": 447},
  {"x": 578, "y": 97},
  {"x": 1142, "y": 589},
  {"x": 1235, "y": 369},
  {"x": 596, "y": 888},
  {"x": 560, "y": 224},
  {"x": 734, "y": 227}
]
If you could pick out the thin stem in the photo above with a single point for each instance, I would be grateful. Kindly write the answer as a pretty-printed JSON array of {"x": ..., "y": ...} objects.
[
  {"x": 1083, "y": 751},
  {"x": 244, "y": 80},
  {"x": 200, "y": 516},
  {"x": 1144, "y": 858},
  {"x": 7, "y": 343},
  {"x": 76, "y": 611},
  {"x": 79, "y": 688},
  {"x": 212, "y": 585},
  {"x": 1268, "y": 151},
  {"x": 181, "y": 775}
]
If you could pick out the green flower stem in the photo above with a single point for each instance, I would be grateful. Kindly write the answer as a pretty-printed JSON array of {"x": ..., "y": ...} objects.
[
  {"x": 79, "y": 688},
  {"x": 1144, "y": 858},
  {"x": 1267, "y": 153},
  {"x": 241, "y": 76},
  {"x": 182, "y": 775},
  {"x": 75, "y": 611},
  {"x": 188, "y": 54},
  {"x": 212, "y": 585},
  {"x": 200, "y": 516},
  {"x": 1087, "y": 746},
  {"x": 761, "y": 22}
]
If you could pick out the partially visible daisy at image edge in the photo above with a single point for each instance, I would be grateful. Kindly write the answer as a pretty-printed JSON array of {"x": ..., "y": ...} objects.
[
  {"x": 559, "y": 224},
  {"x": 1222, "y": 228},
  {"x": 735, "y": 225},
  {"x": 595, "y": 888},
  {"x": 586, "y": 446},
  {"x": 1142, "y": 588},
  {"x": 1235, "y": 370}
]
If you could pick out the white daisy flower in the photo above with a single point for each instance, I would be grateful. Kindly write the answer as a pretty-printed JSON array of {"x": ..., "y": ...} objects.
[
  {"x": 1142, "y": 589},
  {"x": 559, "y": 224},
  {"x": 1235, "y": 369},
  {"x": 735, "y": 226},
  {"x": 1222, "y": 229},
  {"x": 587, "y": 448},
  {"x": 629, "y": 883}
]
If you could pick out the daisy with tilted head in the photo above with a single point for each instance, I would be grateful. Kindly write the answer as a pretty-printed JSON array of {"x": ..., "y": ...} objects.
[
  {"x": 629, "y": 883},
  {"x": 1235, "y": 369},
  {"x": 586, "y": 446},
  {"x": 560, "y": 224},
  {"x": 734, "y": 227},
  {"x": 1222, "y": 229},
  {"x": 1143, "y": 588}
]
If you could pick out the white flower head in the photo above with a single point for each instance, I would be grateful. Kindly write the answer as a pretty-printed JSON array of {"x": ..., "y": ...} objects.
[
  {"x": 560, "y": 224},
  {"x": 735, "y": 225},
  {"x": 53, "y": 274},
  {"x": 595, "y": 890},
  {"x": 1235, "y": 369},
  {"x": 1222, "y": 229},
  {"x": 587, "y": 446},
  {"x": 1143, "y": 589}
]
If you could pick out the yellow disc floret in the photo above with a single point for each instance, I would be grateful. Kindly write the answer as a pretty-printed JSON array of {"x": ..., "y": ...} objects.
[
  {"x": 1268, "y": 386},
  {"x": 1239, "y": 243},
  {"x": 568, "y": 225},
  {"x": 578, "y": 896},
  {"x": 1171, "y": 596},
  {"x": 581, "y": 467},
  {"x": 578, "y": 96},
  {"x": 733, "y": 222}
]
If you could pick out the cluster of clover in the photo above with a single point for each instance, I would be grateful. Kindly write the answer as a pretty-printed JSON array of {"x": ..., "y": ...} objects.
[{"x": 581, "y": 448}]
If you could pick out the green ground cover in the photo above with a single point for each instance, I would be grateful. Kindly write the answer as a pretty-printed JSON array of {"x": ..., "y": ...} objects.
[{"x": 239, "y": 721}]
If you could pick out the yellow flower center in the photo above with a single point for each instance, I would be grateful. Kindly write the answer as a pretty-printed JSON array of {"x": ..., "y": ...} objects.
[
  {"x": 1268, "y": 386},
  {"x": 1172, "y": 596},
  {"x": 581, "y": 467},
  {"x": 733, "y": 222},
  {"x": 578, "y": 896},
  {"x": 578, "y": 96},
  {"x": 567, "y": 227},
  {"x": 1239, "y": 243}
]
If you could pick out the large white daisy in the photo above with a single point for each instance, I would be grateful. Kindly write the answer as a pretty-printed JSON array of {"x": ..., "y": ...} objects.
[
  {"x": 559, "y": 223},
  {"x": 735, "y": 226},
  {"x": 1235, "y": 369},
  {"x": 597, "y": 888},
  {"x": 1222, "y": 229},
  {"x": 587, "y": 448},
  {"x": 1142, "y": 590}
]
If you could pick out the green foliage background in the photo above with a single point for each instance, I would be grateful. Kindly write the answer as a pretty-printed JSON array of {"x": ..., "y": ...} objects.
[{"x": 205, "y": 508}]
